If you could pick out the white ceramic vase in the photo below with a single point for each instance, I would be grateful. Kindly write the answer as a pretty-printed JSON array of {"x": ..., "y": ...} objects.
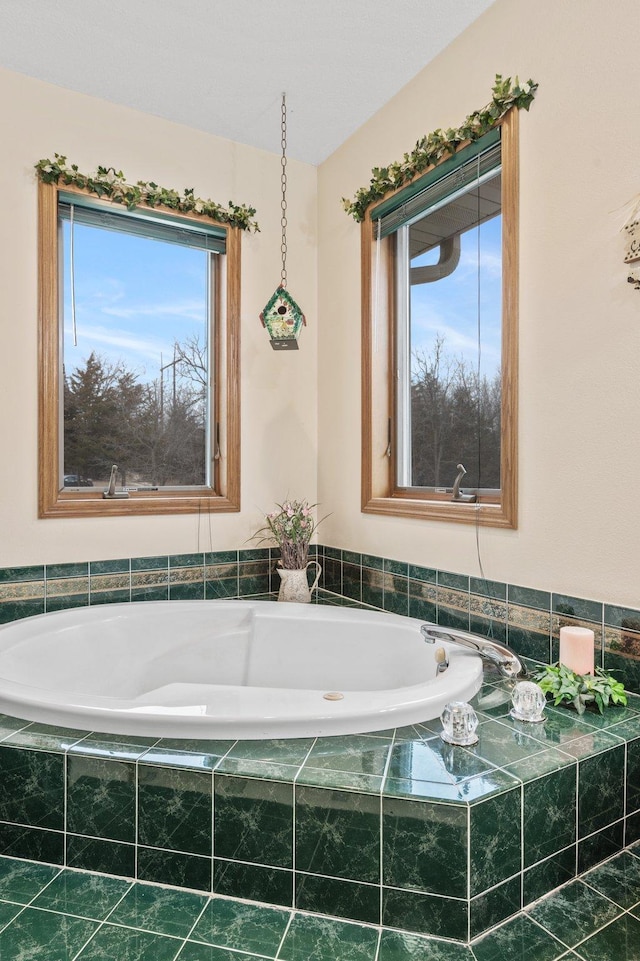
[{"x": 294, "y": 585}]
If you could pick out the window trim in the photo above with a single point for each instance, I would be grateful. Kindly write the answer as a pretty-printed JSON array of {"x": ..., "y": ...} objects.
[
  {"x": 379, "y": 492},
  {"x": 54, "y": 501}
]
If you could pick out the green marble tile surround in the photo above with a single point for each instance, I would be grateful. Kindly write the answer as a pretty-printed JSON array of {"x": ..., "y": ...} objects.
[
  {"x": 330, "y": 826},
  {"x": 63, "y": 914},
  {"x": 395, "y": 828}
]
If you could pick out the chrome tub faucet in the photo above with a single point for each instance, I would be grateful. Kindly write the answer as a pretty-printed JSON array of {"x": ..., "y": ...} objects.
[{"x": 507, "y": 662}]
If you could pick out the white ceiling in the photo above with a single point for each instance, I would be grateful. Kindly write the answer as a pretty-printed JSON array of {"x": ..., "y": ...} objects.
[{"x": 222, "y": 65}]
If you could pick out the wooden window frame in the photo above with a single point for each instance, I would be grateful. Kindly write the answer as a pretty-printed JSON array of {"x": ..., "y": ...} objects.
[
  {"x": 54, "y": 501},
  {"x": 379, "y": 492}
]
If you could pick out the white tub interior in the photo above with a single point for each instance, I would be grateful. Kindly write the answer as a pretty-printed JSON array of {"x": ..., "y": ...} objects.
[{"x": 226, "y": 669}]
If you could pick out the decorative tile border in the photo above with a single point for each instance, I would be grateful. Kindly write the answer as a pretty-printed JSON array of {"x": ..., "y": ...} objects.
[{"x": 529, "y": 620}]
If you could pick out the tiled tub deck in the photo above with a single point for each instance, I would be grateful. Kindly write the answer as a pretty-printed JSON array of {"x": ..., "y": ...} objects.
[{"x": 394, "y": 828}]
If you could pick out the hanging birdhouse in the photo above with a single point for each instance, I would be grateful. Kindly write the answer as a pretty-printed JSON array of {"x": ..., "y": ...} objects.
[{"x": 283, "y": 319}]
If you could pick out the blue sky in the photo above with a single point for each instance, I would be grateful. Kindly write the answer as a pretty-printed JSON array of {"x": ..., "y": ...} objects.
[
  {"x": 134, "y": 298},
  {"x": 449, "y": 307}
]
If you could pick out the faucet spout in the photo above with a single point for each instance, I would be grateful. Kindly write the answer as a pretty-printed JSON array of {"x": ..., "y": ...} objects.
[{"x": 507, "y": 662}]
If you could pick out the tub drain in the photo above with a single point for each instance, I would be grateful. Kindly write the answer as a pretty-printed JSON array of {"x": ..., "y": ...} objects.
[{"x": 333, "y": 696}]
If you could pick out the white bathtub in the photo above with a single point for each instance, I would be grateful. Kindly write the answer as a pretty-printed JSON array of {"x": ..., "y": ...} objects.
[{"x": 226, "y": 669}]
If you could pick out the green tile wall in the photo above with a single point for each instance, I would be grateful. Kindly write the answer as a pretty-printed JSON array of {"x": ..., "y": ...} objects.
[{"x": 394, "y": 827}]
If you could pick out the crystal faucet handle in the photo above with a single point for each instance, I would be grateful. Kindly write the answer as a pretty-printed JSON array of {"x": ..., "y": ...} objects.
[
  {"x": 459, "y": 721},
  {"x": 528, "y": 702}
]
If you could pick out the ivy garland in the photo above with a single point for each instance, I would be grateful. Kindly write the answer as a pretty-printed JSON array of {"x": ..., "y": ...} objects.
[
  {"x": 434, "y": 147},
  {"x": 111, "y": 183}
]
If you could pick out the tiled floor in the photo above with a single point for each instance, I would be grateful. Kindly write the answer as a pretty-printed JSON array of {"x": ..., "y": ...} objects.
[{"x": 62, "y": 915}]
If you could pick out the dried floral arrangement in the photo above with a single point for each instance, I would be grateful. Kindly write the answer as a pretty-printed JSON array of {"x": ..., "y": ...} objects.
[{"x": 291, "y": 526}]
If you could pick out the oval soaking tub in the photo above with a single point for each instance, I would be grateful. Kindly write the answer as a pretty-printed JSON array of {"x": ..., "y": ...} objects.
[{"x": 227, "y": 669}]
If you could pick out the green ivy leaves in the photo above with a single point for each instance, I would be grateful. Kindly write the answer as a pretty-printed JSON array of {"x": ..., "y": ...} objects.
[
  {"x": 111, "y": 183},
  {"x": 439, "y": 144},
  {"x": 581, "y": 690}
]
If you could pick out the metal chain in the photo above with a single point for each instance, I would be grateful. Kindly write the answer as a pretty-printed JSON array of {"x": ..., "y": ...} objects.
[{"x": 283, "y": 181}]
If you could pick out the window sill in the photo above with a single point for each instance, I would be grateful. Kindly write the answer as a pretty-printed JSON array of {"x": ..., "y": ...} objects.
[
  {"x": 93, "y": 504},
  {"x": 487, "y": 515}
]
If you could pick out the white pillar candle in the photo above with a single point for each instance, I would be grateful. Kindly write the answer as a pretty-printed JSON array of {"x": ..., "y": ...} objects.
[{"x": 576, "y": 649}]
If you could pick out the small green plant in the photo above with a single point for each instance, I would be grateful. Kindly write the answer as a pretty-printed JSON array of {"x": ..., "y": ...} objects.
[{"x": 580, "y": 690}]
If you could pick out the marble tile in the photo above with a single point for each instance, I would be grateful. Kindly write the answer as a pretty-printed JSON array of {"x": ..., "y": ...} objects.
[
  {"x": 179, "y": 870},
  {"x": 464, "y": 792},
  {"x": 401, "y": 946},
  {"x": 244, "y": 927},
  {"x": 618, "y": 879},
  {"x": 338, "y": 834},
  {"x": 574, "y": 912},
  {"x": 325, "y": 939},
  {"x": 207, "y": 952},
  {"x": 113, "y": 746},
  {"x": 101, "y": 798},
  {"x": 338, "y": 898},
  {"x": 549, "y": 874},
  {"x": 341, "y": 780},
  {"x": 516, "y": 940},
  {"x": 600, "y": 846},
  {"x": 290, "y": 751},
  {"x": 620, "y": 941},
  {"x": 8, "y": 912},
  {"x": 425, "y": 914},
  {"x": 529, "y": 597},
  {"x": 159, "y": 910},
  {"x": 45, "y": 737},
  {"x": 489, "y": 909},
  {"x": 32, "y": 788},
  {"x": 43, "y": 934},
  {"x": 495, "y": 840},
  {"x": 174, "y": 809},
  {"x": 84, "y": 895},
  {"x": 264, "y": 770},
  {"x": 355, "y": 753},
  {"x": 112, "y": 942},
  {"x": 395, "y": 594},
  {"x": 531, "y": 768},
  {"x": 21, "y": 881},
  {"x": 253, "y": 882},
  {"x": 253, "y": 820},
  {"x": 32, "y": 843},
  {"x": 600, "y": 790},
  {"x": 108, "y": 857},
  {"x": 425, "y": 847},
  {"x": 561, "y": 727},
  {"x": 549, "y": 815},
  {"x": 434, "y": 760},
  {"x": 633, "y": 775},
  {"x": 501, "y": 744},
  {"x": 590, "y": 745},
  {"x": 119, "y": 566}
]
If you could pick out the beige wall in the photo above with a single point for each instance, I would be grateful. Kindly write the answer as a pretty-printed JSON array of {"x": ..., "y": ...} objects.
[
  {"x": 579, "y": 529},
  {"x": 579, "y": 320},
  {"x": 279, "y": 440}
]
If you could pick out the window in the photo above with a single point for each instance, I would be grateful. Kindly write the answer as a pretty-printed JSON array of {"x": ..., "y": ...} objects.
[
  {"x": 139, "y": 359},
  {"x": 439, "y": 385}
]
